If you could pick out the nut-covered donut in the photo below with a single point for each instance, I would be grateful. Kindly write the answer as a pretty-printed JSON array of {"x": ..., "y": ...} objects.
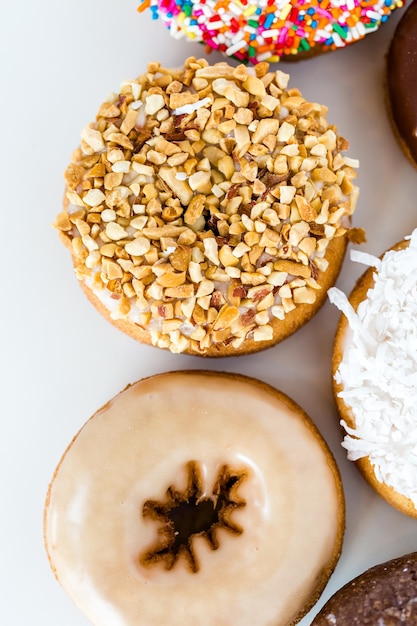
[
  {"x": 401, "y": 83},
  {"x": 207, "y": 209},
  {"x": 374, "y": 366},
  {"x": 384, "y": 595},
  {"x": 253, "y": 31},
  {"x": 195, "y": 498}
]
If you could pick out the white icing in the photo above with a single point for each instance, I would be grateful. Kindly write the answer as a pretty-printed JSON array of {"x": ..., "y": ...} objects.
[
  {"x": 378, "y": 370},
  {"x": 135, "y": 448}
]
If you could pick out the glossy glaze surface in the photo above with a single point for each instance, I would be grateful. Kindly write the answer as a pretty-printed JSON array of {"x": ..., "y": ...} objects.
[{"x": 137, "y": 447}]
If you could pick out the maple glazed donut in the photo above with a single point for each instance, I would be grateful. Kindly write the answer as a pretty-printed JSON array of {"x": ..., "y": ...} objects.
[
  {"x": 374, "y": 367},
  {"x": 401, "y": 85},
  {"x": 253, "y": 31},
  {"x": 385, "y": 594},
  {"x": 208, "y": 208},
  {"x": 196, "y": 497}
]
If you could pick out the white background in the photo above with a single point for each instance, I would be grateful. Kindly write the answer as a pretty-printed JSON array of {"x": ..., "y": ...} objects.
[{"x": 60, "y": 360}]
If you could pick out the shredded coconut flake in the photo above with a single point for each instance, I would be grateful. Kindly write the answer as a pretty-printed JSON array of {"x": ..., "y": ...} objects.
[
  {"x": 378, "y": 371},
  {"x": 365, "y": 258}
]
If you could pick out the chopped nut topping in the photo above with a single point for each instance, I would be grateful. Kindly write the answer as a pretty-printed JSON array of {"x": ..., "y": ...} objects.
[{"x": 194, "y": 188}]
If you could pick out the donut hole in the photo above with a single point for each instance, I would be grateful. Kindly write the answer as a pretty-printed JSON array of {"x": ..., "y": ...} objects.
[
  {"x": 188, "y": 514},
  {"x": 192, "y": 518}
]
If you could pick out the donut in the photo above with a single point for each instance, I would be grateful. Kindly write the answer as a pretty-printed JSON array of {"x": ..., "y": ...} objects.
[
  {"x": 271, "y": 30},
  {"x": 385, "y": 594},
  {"x": 401, "y": 88},
  {"x": 195, "y": 498},
  {"x": 374, "y": 368},
  {"x": 207, "y": 209}
]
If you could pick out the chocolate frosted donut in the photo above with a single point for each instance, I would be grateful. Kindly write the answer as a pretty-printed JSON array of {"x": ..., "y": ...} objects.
[
  {"x": 384, "y": 595},
  {"x": 196, "y": 498},
  {"x": 208, "y": 208},
  {"x": 401, "y": 82},
  {"x": 374, "y": 368}
]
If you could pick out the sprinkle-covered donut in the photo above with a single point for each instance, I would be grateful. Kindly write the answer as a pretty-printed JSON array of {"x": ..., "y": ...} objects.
[
  {"x": 208, "y": 208},
  {"x": 374, "y": 366},
  {"x": 401, "y": 82},
  {"x": 196, "y": 498},
  {"x": 384, "y": 595},
  {"x": 253, "y": 31}
]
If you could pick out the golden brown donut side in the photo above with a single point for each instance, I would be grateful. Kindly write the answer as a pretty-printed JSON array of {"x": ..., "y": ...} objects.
[
  {"x": 358, "y": 294},
  {"x": 281, "y": 328}
]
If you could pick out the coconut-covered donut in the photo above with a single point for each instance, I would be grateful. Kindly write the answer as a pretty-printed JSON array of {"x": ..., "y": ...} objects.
[
  {"x": 374, "y": 366},
  {"x": 401, "y": 83},
  {"x": 207, "y": 209},
  {"x": 195, "y": 498},
  {"x": 384, "y": 595},
  {"x": 253, "y": 31}
]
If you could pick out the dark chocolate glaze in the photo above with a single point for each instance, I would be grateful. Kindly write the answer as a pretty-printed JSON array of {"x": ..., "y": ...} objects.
[
  {"x": 385, "y": 595},
  {"x": 401, "y": 80}
]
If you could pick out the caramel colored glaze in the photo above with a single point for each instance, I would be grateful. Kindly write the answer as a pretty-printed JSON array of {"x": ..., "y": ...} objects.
[
  {"x": 358, "y": 294},
  {"x": 384, "y": 594},
  {"x": 287, "y": 505},
  {"x": 402, "y": 82}
]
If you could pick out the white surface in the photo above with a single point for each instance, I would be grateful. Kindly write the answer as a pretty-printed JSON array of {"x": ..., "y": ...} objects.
[{"x": 60, "y": 360}]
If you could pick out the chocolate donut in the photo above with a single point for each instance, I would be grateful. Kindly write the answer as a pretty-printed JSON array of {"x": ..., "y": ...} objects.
[
  {"x": 401, "y": 82},
  {"x": 208, "y": 208},
  {"x": 196, "y": 498},
  {"x": 384, "y": 595},
  {"x": 374, "y": 373}
]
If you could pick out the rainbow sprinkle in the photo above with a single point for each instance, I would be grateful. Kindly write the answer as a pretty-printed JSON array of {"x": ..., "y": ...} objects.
[{"x": 252, "y": 31}]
